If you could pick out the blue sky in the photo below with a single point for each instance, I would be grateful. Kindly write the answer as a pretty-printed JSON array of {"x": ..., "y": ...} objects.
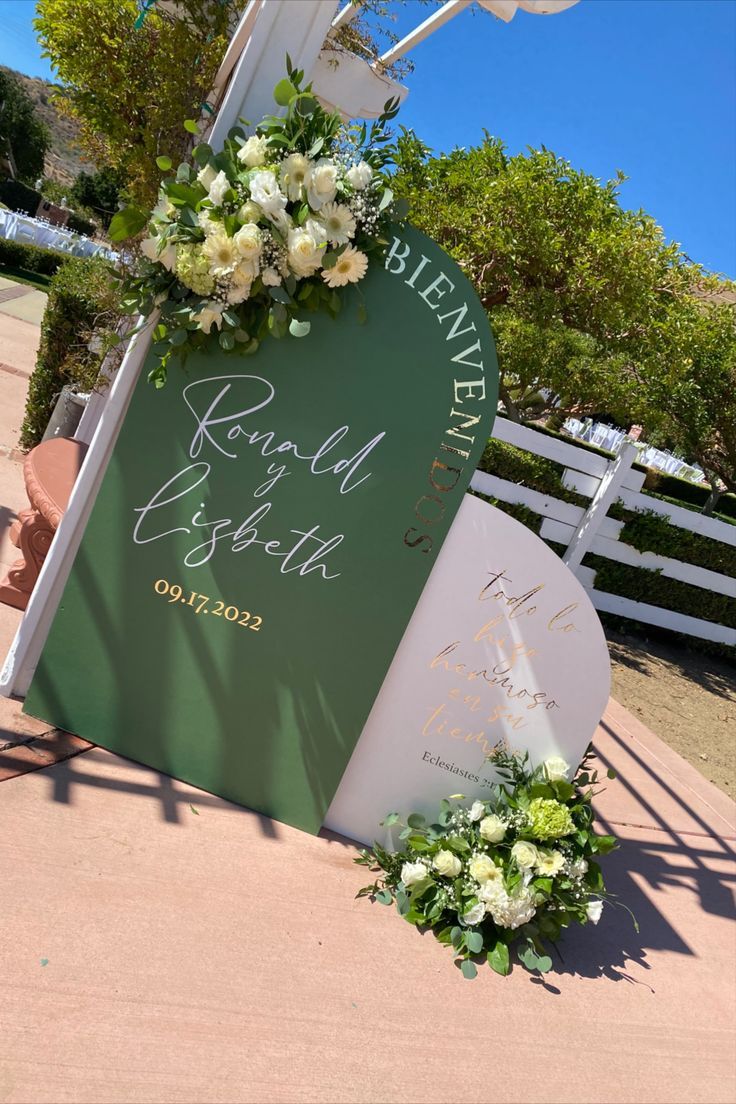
[{"x": 647, "y": 86}]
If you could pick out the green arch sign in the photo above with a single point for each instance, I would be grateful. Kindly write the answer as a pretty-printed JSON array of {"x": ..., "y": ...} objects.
[{"x": 262, "y": 535}]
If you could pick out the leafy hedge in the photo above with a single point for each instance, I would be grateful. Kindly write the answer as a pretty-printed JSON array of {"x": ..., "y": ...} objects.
[
  {"x": 518, "y": 466},
  {"x": 650, "y": 532},
  {"x": 684, "y": 493},
  {"x": 80, "y": 225},
  {"x": 80, "y": 298},
  {"x": 642, "y": 585},
  {"x": 516, "y": 510},
  {"x": 31, "y": 258},
  {"x": 19, "y": 197}
]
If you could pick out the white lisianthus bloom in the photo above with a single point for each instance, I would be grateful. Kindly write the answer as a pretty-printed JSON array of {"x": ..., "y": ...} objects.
[
  {"x": 447, "y": 864},
  {"x": 350, "y": 267},
  {"x": 249, "y": 241},
  {"x": 338, "y": 222},
  {"x": 217, "y": 189},
  {"x": 206, "y": 175},
  {"x": 492, "y": 828},
  {"x": 305, "y": 248},
  {"x": 321, "y": 183},
  {"x": 524, "y": 854},
  {"x": 281, "y": 221},
  {"x": 483, "y": 868},
  {"x": 412, "y": 873},
  {"x": 578, "y": 868},
  {"x": 594, "y": 908},
  {"x": 359, "y": 176},
  {"x": 474, "y": 915},
  {"x": 270, "y": 277},
  {"x": 221, "y": 253},
  {"x": 210, "y": 315},
  {"x": 265, "y": 191},
  {"x": 477, "y": 809},
  {"x": 556, "y": 769},
  {"x": 549, "y": 863},
  {"x": 293, "y": 175},
  {"x": 249, "y": 212},
  {"x": 253, "y": 152}
]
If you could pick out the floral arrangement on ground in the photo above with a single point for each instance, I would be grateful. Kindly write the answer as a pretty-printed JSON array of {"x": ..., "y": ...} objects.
[
  {"x": 244, "y": 243},
  {"x": 508, "y": 873}
]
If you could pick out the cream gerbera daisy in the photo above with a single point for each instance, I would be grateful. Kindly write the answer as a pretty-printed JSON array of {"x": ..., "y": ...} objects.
[
  {"x": 338, "y": 222},
  {"x": 350, "y": 267},
  {"x": 221, "y": 253}
]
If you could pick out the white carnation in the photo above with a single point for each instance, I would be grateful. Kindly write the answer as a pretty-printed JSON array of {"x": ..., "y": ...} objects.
[
  {"x": 359, "y": 176},
  {"x": 507, "y": 910},
  {"x": 270, "y": 277},
  {"x": 253, "y": 152}
]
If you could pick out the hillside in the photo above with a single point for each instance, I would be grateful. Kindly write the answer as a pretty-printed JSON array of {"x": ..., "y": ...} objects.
[{"x": 65, "y": 158}]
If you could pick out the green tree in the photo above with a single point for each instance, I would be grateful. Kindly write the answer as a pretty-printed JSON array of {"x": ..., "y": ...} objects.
[
  {"x": 578, "y": 290},
  {"x": 130, "y": 78},
  {"x": 22, "y": 134},
  {"x": 98, "y": 192}
]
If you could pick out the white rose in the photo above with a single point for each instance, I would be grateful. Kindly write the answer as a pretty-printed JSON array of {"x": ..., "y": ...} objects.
[
  {"x": 492, "y": 828},
  {"x": 249, "y": 212},
  {"x": 524, "y": 854},
  {"x": 217, "y": 189},
  {"x": 206, "y": 175},
  {"x": 556, "y": 769},
  {"x": 550, "y": 863},
  {"x": 321, "y": 183},
  {"x": 482, "y": 868},
  {"x": 270, "y": 277},
  {"x": 305, "y": 245},
  {"x": 412, "y": 873},
  {"x": 359, "y": 176},
  {"x": 594, "y": 910},
  {"x": 477, "y": 809},
  {"x": 266, "y": 193},
  {"x": 249, "y": 241},
  {"x": 253, "y": 152},
  {"x": 448, "y": 864},
  {"x": 474, "y": 915}
]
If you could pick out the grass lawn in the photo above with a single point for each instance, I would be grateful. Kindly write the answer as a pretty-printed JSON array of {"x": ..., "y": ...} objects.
[{"x": 21, "y": 276}]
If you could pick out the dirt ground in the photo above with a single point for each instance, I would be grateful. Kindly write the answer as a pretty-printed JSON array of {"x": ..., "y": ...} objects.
[{"x": 687, "y": 698}]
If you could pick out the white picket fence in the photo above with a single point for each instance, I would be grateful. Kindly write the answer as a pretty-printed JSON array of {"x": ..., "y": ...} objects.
[{"x": 590, "y": 530}]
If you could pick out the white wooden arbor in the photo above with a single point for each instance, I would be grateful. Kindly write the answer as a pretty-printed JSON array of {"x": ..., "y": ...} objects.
[{"x": 253, "y": 64}]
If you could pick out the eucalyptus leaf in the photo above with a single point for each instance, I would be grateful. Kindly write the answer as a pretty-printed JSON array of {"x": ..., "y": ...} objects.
[
  {"x": 283, "y": 92},
  {"x": 384, "y": 897},
  {"x": 127, "y": 223},
  {"x": 164, "y": 163},
  {"x": 191, "y": 126},
  {"x": 299, "y": 329},
  {"x": 468, "y": 969},
  {"x": 498, "y": 958}
]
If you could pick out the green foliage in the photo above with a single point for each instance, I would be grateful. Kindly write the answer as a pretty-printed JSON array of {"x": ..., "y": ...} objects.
[
  {"x": 130, "y": 82},
  {"x": 655, "y": 589},
  {"x": 22, "y": 134},
  {"x": 30, "y": 258},
  {"x": 81, "y": 302},
  {"x": 686, "y": 493},
  {"x": 648, "y": 531},
  {"x": 516, "y": 510},
  {"x": 98, "y": 192},
  {"x": 511, "y": 871},
  {"x": 518, "y": 466},
  {"x": 18, "y": 196}
]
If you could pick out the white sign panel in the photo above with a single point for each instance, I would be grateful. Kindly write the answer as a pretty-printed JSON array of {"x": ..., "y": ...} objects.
[{"x": 504, "y": 646}]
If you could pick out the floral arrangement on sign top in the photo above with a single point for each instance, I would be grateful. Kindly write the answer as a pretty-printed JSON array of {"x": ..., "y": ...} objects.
[
  {"x": 515, "y": 868},
  {"x": 246, "y": 242}
]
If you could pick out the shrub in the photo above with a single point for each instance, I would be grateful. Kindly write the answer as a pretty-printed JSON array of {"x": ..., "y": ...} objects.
[
  {"x": 650, "y": 532},
  {"x": 516, "y": 510},
  {"x": 44, "y": 262},
  {"x": 518, "y": 466},
  {"x": 80, "y": 225},
  {"x": 82, "y": 301},
  {"x": 671, "y": 488},
  {"x": 19, "y": 197}
]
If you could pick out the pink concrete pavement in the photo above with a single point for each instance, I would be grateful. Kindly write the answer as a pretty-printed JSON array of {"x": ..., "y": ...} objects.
[{"x": 163, "y": 945}]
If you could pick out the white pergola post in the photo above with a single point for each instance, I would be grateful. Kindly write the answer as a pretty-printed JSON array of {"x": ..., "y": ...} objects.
[{"x": 272, "y": 29}]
